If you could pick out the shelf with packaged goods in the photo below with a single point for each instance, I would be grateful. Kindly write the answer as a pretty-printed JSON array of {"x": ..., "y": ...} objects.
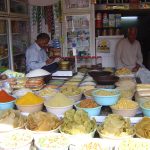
[
  {"x": 21, "y": 1},
  {"x": 79, "y": 57},
  {"x": 79, "y": 46},
  {"x": 5, "y": 57},
  {"x": 17, "y": 54},
  {"x": 3, "y": 34},
  {"x": 123, "y": 7},
  {"x": 75, "y": 6},
  {"x": 111, "y": 37},
  {"x": 82, "y": 27},
  {"x": 3, "y": 7},
  {"x": 18, "y": 8}
]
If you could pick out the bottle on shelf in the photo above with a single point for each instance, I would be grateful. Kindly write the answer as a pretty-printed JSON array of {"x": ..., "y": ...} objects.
[
  {"x": 98, "y": 22},
  {"x": 105, "y": 20},
  {"x": 98, "y": 32},
  {"x": 117, "y": 20},
  {"x": 118, "y": 1},
  {"x": 111, "y": 20},
  {"x": 111, "y": 1},
  {"x": 98, "y": 2}
]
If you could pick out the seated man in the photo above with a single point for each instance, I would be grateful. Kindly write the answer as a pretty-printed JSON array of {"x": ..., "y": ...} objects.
[
  {"x": 128, "y": 52},
  {"x": 36, "y": 56}
]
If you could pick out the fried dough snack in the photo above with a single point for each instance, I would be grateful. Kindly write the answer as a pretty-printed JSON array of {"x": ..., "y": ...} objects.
[
  {"x": 143, "y": 128},
  {"x": 42, "y": 121}
]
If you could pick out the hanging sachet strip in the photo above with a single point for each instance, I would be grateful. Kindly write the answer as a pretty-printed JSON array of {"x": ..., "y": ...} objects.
[
  {"x": 33, "y": 18},
  {"x": 39, "y": 19},
  {"x": 49, "y": 19}
]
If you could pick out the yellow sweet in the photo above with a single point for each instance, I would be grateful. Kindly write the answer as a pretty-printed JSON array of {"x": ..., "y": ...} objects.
[{"x": 29, "y": 99}]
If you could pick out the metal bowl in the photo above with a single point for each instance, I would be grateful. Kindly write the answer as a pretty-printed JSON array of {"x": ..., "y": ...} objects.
[
  {"x": 94, "y": 73},
  {"x": 106, "y": 80}
]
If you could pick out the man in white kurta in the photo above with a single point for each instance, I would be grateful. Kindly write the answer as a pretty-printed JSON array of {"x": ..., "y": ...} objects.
[{"x": 128, "y": 53}]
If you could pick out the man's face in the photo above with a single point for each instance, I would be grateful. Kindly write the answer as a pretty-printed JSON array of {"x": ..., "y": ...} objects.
[
  {"x": 43, "y": 43},
  {"x": 132, "y": 36}
]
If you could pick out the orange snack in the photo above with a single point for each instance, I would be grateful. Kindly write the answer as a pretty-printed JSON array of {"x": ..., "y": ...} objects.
[
  {"x": 5, "y": 97},
  {"x": 88, "y": 103}
]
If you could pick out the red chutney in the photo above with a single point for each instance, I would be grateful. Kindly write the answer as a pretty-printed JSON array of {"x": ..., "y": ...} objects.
[{"x": 5, "y": 97}]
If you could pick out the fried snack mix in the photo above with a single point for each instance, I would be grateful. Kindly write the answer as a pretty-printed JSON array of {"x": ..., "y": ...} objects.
[
  {"x": 11, "y": 118},
  {"x": 42, "y": 121},
  {"x": 105, "y": 93},
  {"x": 125, "y": 104},
  {"x": 70, "y": 90},
  {"x": 88, "y": 103},
  {"x": 116, "y": 125},
  {"x": 143, "y": 128},
  {"x": 77, "y": 122}
]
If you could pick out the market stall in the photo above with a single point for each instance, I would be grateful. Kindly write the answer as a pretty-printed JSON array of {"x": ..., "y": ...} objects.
[{"x": 94, "y": 110}]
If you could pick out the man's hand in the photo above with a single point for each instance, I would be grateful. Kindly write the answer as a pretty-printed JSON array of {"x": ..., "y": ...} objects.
[
  {"x": 49, "y": 61},
  {"x": 136, "y": 68},
  {"x": 57, "y": 60}
]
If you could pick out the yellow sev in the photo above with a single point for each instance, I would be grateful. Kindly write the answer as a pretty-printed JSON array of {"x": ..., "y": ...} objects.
[
  {"x": 125, "y": 104},
  {"x": 29, "y": 99}
]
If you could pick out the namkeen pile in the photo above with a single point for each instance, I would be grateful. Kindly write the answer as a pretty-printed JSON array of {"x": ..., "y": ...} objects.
[
  {"x": 89, "y": 92},
  {"x": 77, "y": 122},
  {"x": 143, "y": 128},
  {"x": 116, "y": 126},
  {"x": 59, "y": 100},
  {"x": 47, "y": 92},
  {"x": 125, "y": 104},
  {"x": 29, "y": 99},
  {"x": 15, "y": 140},
  {"x": 146, "y": 104},
  {"x": 105, "y": 93},
  {"x": 94, "y": 146},
  {"x": 126, "y": 83},
  {"x": 70, "y": 90},
  {"x": 42, "y": 121},
  {"x": 126, "y": 93},
  {"x": 86, "y": 87},
  {"x": 88, "y": 103},
  {"x": 123, "y": 71},
  {"x": 53, "y": 142},
  {"x": 143, "y": 87},
  {"x": 10, "y": 119},
  {"x": 134, "y": 144}
]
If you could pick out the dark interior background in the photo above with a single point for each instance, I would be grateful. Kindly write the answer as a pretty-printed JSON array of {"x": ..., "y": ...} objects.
[{"x": 143, "y": 25}]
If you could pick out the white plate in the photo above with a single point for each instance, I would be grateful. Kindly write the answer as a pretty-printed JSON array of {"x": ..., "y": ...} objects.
[{"x": 37, "y": 73}]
